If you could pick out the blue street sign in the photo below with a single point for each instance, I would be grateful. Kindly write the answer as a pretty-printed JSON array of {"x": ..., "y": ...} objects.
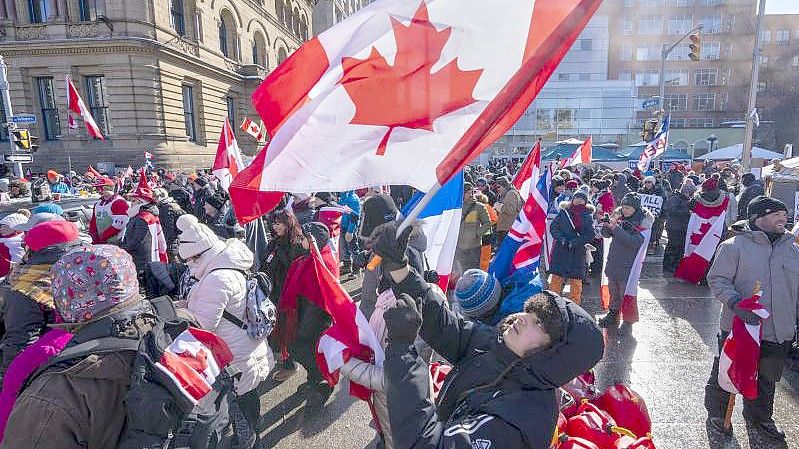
[
  {"x": 651, "y": 103},
  {"x": 20, "y": 119}
]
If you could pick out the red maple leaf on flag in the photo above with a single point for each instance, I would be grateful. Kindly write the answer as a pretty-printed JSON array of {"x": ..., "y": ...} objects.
[
  {"x": 696, "y": 237},
  {"x": 407, "y": 94},
  {"x": 198, "y": 362}
]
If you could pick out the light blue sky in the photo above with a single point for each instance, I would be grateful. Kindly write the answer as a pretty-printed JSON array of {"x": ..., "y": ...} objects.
[{"x": 782, "y": 6}]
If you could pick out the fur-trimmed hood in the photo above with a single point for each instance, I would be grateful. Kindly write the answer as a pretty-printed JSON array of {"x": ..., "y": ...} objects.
[
  {"x": 641, "y": 217},
  {"x": 565, "y": 205}
]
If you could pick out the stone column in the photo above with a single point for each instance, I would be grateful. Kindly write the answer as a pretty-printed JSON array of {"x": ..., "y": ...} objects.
[
  {"x": 63, "y": 13},
  {"x": 52, "y": 10}
]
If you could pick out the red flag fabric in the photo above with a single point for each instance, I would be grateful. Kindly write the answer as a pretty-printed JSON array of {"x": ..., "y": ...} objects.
[
  {"x": 405, "y": 92},
  {"x": 529, "y": 171},
  {"x": 75, "y": 104},
  {"x": 252, "y": 128},
  {"x": 158, "y": 251},
  {"x": 193, "y": 361},
  {"x": 228, "y": 161},
  {"x": 350, "y": 334},
  {"x": 94, "y": 173},
  {"x": 705, "y": 229},
  {"x": 740, "y": 354},
  {"x": 581, "y": 155}
]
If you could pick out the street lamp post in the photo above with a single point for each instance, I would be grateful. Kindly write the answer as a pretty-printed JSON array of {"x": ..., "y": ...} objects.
[
  {"x": 691, "y": 147},
  {"x": 665, "y": 54},
  {"x": 711, "y": 139}
]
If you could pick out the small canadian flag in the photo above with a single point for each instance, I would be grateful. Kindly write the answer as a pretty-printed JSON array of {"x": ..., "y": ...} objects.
[
  {"x": 252, "y": 128},
  {"x": 75, "y": 104}
]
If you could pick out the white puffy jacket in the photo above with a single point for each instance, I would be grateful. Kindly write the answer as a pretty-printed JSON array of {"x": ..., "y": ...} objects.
[{"x": 219, "y": 289}]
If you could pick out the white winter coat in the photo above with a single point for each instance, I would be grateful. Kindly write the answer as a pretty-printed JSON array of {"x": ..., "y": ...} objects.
[{"x": 218, "y": 290}]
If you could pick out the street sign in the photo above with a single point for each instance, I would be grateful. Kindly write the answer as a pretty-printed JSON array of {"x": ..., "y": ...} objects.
[
  {"x": 20, "y": 119},
  {"x": 18, "y": 158},
  {"x": 651, "y": 103}
]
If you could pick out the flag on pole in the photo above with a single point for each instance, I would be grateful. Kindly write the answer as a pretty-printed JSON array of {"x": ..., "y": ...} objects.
[
  {"x": 350, "y": 334},
  {"x": 657, "y": 146},
  {"x": 740, "y": 354},
  {"x": 441, "y": 223},
  {"x": 581, "y": 155},
  {"x": 252, "y": 128},
  {"x": 94, "y": 173},
  {"x": 521, "y": 248},
  {"x": 403, "y": 92},
  {"x": 148, "y": 160},
  {"x": 629, "y": 305},
  {"x": 228, "y": 162},
  {"x": 75, "y": 104},
  {"x": 705, "y": 229},
  {"x": 529, "y": 171}
]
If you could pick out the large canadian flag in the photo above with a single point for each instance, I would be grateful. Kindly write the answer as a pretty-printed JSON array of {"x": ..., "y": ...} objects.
[
  {"x": 705, "y": 229},
  {"x": 75, "y": 104},
  {"x": 228, "y": 162},
  {"x": 740, "y": 354},
  {"x": 403, "y": 92}
]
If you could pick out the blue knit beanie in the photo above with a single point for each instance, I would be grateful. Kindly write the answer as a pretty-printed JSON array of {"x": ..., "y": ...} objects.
[
  {"x": 477, "y": 292},
  {"x": 50, "y": 208}
]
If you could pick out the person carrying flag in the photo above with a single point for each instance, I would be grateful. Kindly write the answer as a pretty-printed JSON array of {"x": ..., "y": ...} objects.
[{"x": 763, "y": 252}]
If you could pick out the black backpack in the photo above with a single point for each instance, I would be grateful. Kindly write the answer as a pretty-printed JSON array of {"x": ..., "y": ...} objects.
[{"x": 158, "y": 415}]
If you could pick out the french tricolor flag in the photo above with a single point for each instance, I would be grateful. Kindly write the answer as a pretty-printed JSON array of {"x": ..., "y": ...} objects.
[{"x": 441, "y": 222}]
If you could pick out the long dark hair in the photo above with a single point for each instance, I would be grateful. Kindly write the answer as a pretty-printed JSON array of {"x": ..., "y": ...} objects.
[{"x": 294, "y": 232}]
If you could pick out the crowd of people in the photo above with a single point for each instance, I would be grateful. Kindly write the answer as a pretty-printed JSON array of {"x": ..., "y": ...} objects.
[{"x": 173, "y": 235}]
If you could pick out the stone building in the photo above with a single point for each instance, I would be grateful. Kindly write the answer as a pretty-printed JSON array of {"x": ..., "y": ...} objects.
[
  {"x": 158, "y": 75},
  {"x": 327, "y": 13}
]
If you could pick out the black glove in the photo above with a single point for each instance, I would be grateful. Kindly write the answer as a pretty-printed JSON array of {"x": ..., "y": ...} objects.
[
  {"x": 748, "y": 316},
  {"x": 391, "y": 248},
  {"x": 403, "y": 321}
]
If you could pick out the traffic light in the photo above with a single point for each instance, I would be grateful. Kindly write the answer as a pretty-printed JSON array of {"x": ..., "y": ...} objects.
[
  {"x": 695, "y": 46},
  {"x": 24, "y": 140}
]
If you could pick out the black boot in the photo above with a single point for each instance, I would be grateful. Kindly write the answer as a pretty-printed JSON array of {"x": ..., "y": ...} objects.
[
  {"x": 766, "y": 429},
  {"x": 611, "y": 319}
]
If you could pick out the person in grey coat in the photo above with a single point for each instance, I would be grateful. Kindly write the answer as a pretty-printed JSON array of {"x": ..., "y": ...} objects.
[
  {"x": 764, "y": 252},
  {"x": 625, "y": 229}
]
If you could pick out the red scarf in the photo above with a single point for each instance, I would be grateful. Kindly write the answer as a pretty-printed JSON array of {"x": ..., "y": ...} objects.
[{"x": 576, "y": 212}]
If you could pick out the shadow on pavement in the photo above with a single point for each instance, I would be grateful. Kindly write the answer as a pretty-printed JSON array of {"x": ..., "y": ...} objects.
[{"x": 616, "y": 363}]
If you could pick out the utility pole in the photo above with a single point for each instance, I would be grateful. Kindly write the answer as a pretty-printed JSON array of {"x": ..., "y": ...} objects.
[
  {"x": 746, "y": 156},
  {"x": 9, "y": 114}
]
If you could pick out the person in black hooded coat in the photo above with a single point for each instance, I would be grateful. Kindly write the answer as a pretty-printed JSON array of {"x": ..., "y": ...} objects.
[{"x": 494, "y": 397}]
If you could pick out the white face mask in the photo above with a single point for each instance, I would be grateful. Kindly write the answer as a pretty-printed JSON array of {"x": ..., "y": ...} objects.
[{"x": 133, "y": 209}]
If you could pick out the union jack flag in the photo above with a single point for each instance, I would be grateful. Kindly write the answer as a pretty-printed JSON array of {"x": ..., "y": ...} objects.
[{"x": 521, "y": 249}]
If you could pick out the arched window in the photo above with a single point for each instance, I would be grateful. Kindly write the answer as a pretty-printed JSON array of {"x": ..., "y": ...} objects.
[
  {"x": 259, "y": 49},
  {"x": 304, "y": 29},
  {"x": 287, "y": 14},
  {"x": 227, "y": 35},
  {"x": 295, "y": 22},
  {"x": 281, "y": 55}
]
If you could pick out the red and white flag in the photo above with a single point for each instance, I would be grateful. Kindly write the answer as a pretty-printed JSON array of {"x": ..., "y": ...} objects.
[
  {"x": 193, "y": 361},
  {"x": 529, "y": 171},
  {"x": 94, "y": 173},
  {"x": 252, "y": 128},
  {"x": 740, "y": 354},
  {"x": 629, "y": 305},
  {"x": 228, "y": 162},
  {"x": 75, "y": 104},
  {"x": 705, "y": 229},
  {"x": 350, "y": 334},
  {"x": 403, "y": 92},
  {"x": 581, "y": 155}
]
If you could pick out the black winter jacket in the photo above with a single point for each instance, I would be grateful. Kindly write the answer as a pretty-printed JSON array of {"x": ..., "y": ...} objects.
[
  {"x": 168, "y": 213},
  {"x": 677, "y": 211},
  {"x": 517, "y": 406},
  {"x": 138, "y": 241},
  {"x": 747, "y": 195},
  {"x": 568, "y": 253}
]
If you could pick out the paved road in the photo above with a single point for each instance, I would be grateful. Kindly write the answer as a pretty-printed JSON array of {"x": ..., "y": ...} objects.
[{"x": 667, "y": 361}]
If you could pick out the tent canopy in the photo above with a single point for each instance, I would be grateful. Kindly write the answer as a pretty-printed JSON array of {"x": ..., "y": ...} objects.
[
  {"x": 564, "y": 150},
  {"x": 735, "y": 152}
]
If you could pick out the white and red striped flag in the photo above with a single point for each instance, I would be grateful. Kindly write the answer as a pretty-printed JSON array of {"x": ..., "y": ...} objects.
[
  {"x": 350, "y": 334},
  {"x": 581, "y": 155},
  {"x": 228, "y": 162},
  {"x": 75, "y": 104},
  {"x": 629, "y": 305},
  {"x": 193, "y": 361},
  {"x": 529, "y": 171},
  {"x": 253, "y": 129},
  {"x": 705, "y": 229},
  {"x": 740, "y": 353},
  {"x": 403, "y": 92}
]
